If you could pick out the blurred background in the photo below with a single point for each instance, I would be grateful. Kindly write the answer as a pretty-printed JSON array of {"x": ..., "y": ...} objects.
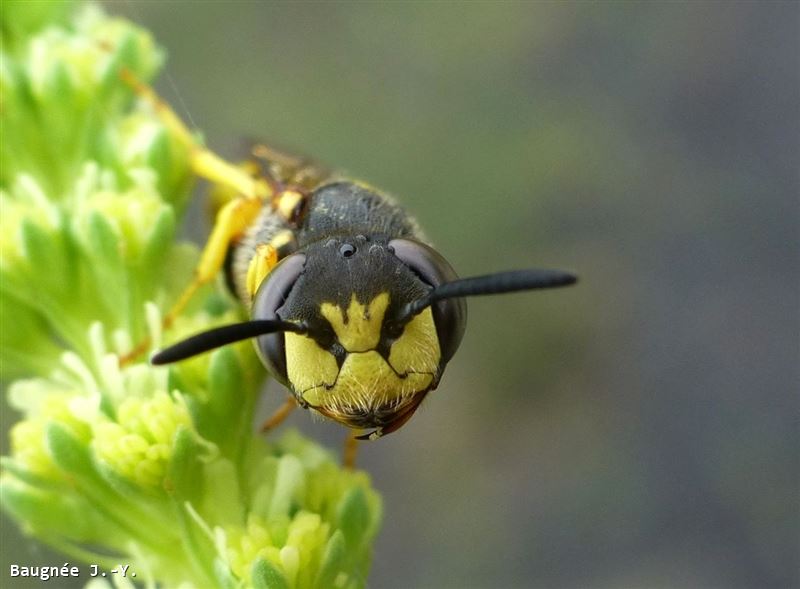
[{"x": 639, "y": 429}]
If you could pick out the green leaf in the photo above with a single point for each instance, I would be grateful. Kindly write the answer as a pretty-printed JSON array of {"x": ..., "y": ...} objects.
[
  {"x": 289, "y": 485},
  {"x": 127, "y": 54},
  {"x": 69, "y": 453},
  {"x": 333, "y": 561},
  {"x": 223, "y": 576},
  {"x": 266, "y": 575},
  {"x": 58, "y": 83},
  {"x": 184, "y": 478},
  {"x": 29, "y": 348},
  {"x": 121, "y": 485},
  {"x": 21, "y": 472},
  {"x": 23, "y": 17},
  {"x": 57, "y": 512},
  {"x": 103, "y": 249},
  {"x": 222, "y": 500},
  {"x": 157, "y": 242},
  {"x": 158, "y": 156},
  {"x": 353, "y": 517},
  {"x": 43, "y": 255},
  {"x": 262, "y": 477},
  {"x": 225, "y": 419}
]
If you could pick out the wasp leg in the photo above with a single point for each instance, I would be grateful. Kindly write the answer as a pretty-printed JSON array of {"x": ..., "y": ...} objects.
[
  {"x": 280, "y": 414},
  {"x": 276, "y": 157},
  {"x": 233, "y": 218},
  {"x": 350, "y": 451},
  {"x": 289, "y": 169},
  {"x": 204, "y": 162},
  {"x": 231, "y": 222}
]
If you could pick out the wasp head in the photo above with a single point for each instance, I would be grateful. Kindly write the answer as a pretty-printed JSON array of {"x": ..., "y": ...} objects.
[{"x": 360, "y": 358}]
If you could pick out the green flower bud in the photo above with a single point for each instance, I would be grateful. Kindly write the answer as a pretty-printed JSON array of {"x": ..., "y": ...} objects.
[
  {"x": 158, "y": 466},
  {"x": 139, "y": 444},
  {"x": 27, "y": 447}
]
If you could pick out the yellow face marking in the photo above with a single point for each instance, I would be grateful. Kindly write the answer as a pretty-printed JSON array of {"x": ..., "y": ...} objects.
[
  {"x": 417, "y": 350},
  {"x": 366, "y": 382},
  {"x": 308, "y": 365},
  {"x": 359, "y": 329}
]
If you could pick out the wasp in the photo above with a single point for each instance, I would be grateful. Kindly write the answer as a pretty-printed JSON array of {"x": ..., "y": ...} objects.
[{"x": 351, "y": 307}]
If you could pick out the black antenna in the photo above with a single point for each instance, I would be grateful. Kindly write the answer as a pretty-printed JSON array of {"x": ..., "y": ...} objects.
[
  {"x": 502, "y": 282},
  {"x": 221, "y": 336}
]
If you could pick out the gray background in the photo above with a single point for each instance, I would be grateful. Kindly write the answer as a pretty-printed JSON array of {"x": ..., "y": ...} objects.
[{"x": 638, "y": 430}]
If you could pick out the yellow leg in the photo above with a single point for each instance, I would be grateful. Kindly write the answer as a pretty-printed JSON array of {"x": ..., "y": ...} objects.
[
  {"x": 204, "y": 162},
  {"x": 280, "y": 414},
  {"x": 232, "y": 220},
  {"x": 235, "y": 216},
  {"x": 350, "y": 452}
]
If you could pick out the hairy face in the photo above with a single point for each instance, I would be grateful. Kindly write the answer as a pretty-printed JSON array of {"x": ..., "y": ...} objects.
[{"x": 376, "y": 379}]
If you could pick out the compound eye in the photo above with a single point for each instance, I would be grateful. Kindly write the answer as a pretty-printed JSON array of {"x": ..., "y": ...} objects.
[
  {"x": 449, "y": 315},
  {"x": 267, "y": 304}
]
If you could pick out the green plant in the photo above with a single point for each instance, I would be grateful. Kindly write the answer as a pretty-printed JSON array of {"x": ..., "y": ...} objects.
[{"x": 151, "y": 467}]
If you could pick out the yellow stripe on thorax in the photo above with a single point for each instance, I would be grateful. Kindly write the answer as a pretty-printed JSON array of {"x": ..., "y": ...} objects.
[{"x": 265, "y": 259}]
